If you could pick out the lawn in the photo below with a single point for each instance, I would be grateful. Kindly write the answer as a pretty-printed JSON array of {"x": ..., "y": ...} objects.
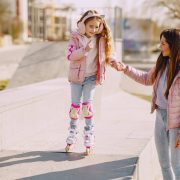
[{"x": 3, "y": 84}]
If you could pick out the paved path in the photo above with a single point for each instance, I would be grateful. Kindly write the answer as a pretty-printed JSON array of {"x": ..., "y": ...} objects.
[
  {"x": 123, "y": 131},
  {"x": 9, "y": 60}
]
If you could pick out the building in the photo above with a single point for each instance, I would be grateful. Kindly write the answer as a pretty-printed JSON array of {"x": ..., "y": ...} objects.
[
  {"x": 48, "y": 21},
  {"x": 140, "y": 34},
  {"x": 18, "y": 9}
]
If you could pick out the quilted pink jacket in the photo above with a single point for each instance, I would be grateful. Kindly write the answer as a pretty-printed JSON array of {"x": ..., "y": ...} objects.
[
  {"x": 173, "y": 109},
  {"x": 77, "y": 58}
]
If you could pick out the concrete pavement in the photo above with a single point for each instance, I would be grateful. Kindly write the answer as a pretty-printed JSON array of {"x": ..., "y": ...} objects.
[
  {"x": 60, "y": 166},
  {"x": 124, "y": 145},
  {"x": 33, "y": 129},
  {"x": 10, "y": 57}
]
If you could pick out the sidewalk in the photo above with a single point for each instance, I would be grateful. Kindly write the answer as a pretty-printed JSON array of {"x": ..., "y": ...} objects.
[
  {"x": 34, "y": 125},
  {"x": 13, "y": 47},
  {"x": 10, "y": 58},
  {"x": 123, "y": 139}
]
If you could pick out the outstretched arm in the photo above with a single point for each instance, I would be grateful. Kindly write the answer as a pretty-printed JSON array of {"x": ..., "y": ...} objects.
[{"x": 139, "y": 76}]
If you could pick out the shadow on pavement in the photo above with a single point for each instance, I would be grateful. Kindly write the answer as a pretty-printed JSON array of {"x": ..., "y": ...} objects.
[
  {"x": 122, "y": 169},
  {"x": 36, "y": 156}
]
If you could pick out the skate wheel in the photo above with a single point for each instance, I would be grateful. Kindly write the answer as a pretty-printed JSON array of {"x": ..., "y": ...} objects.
[
  {"x": 88, "y": 151},
  {"x": 67, "y": 149}
]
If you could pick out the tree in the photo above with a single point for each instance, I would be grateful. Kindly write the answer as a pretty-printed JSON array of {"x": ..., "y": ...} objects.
[
  {"x": 173, "y": 7},
  {"x": 164, "y": 11},
  {"x": 5, "y": 17},
  {"x": 16, "y": 28}
]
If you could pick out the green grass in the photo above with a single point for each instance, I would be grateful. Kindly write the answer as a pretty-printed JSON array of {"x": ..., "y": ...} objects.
[
  {"x": 147, "y": 98},
  {"x": 3, "y": 84}
]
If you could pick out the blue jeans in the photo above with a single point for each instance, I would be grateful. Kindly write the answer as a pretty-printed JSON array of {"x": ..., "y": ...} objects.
[
  {"x": 169, "y": 156},
  {"x": 86, "y": 90}
]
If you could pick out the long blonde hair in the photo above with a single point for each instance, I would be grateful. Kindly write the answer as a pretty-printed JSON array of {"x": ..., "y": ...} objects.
[
  {"x": 108, "y": 41},
  {"x": 106, "y": 33}
]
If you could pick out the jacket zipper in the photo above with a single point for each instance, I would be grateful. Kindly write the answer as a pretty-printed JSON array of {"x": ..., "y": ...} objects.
[{"x": 79, "y": 71}]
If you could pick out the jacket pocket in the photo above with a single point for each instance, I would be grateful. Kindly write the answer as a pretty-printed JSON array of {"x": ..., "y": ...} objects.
[
  {"x": 74, "y": 72},
  {"x": 176, "y": 88}
]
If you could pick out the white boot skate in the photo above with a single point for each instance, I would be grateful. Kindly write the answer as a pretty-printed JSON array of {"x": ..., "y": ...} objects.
[
  {"x": 71, "y": 139},
  {"x": 89, "y": 141}
]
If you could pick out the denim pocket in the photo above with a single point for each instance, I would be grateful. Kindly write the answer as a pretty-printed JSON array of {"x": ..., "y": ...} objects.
[{"x": 92, "y": 78}]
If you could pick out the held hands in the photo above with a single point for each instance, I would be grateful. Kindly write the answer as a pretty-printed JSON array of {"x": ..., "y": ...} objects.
[
  {"x": 178, "y": 141},
  {"x": 119, "y": 66},
  {"x": 89, "y": 46}
]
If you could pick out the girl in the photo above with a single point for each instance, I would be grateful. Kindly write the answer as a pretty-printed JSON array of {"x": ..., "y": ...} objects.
[
  {"x": 165, "y": 78},
  {"x": 90, "y": 50}
]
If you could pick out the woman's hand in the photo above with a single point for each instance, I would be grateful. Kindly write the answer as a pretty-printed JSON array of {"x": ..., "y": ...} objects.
[{"x": 178, "y": 141}]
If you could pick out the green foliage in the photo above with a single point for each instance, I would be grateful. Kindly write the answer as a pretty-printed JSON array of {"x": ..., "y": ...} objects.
[
  {"x": 172, "y": 6},
  {"x": 3, "y": 84},
  {"x": 16, "y": 28},
  {"x": 5, "y": 18},
  {"x": 8, "y": 24},
  {"x": 145, "y": 97}
]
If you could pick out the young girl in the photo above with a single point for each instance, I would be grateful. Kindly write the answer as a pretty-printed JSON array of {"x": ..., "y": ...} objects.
[
  {"x": 90, "y": 50},
  {"x": 165, "y": 78}
]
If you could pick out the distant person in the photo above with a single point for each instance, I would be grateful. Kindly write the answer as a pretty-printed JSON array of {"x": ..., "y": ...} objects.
[
  {"x": 165, "y": 78},
  {"x": 90, "y": 50}
]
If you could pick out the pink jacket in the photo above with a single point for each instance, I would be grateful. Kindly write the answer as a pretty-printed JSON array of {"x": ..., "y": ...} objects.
[
  {"x": 173, "y": 109},
  {"x": 77, "y": 58}
]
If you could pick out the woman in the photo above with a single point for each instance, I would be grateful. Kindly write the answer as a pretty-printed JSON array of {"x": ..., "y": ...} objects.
[{"x": 165, "y": 78}]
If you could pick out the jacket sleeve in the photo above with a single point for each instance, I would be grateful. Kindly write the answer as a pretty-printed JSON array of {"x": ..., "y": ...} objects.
[
  {"x": 139, "y": 76},
  {"x": 74, "y": 52}
]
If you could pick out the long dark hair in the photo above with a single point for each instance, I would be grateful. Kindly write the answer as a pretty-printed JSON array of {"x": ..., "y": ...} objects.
[{"x": 172, "y": 37}]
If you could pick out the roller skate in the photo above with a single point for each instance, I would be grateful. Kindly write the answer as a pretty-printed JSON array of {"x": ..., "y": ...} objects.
[
  {"x": 71, "y": 139},
  {"x": 89, "y": 141}
]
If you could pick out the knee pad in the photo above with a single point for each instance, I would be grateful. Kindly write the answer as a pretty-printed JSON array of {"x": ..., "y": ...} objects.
[
  {"x": 87, "y": 110},
  {"x": 74, "y": 111}
]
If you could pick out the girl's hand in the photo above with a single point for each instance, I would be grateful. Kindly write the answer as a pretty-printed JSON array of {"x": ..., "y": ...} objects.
[
  {"x": 115, "y": 65},
  {"x": 178, "y": 141},
  {"x": 121, "y": 66},
  {"x": 89, "y": 46},
  {"x": 118, "y": 66}
]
